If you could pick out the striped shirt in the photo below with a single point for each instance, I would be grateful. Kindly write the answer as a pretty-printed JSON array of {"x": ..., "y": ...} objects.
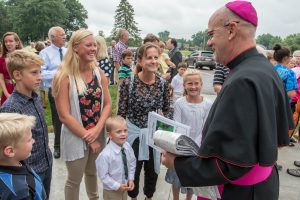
[
  {"x": 125, "y": 71},
  {"x": 221, "y": 73}
]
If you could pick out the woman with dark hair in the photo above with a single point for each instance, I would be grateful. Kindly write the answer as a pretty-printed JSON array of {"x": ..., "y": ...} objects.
[
  {"x": 10, "y": 42},
  {"x": 143, "y": 93},
  {"x": 282, "y": 57}
]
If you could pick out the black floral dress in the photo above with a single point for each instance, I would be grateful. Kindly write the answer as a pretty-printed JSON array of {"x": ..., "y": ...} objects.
[
  {"x": 90, "y": 104},
  {"x": 142, "y": 99}
]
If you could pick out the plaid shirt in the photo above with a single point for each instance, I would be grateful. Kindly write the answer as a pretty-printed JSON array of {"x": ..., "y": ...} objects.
[
  {"x": 117, "y": 52},
  {"x": 41, "y": 158}
]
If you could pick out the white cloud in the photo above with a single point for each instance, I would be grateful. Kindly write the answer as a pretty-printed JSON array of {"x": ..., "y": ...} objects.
[{"x": 185, "y": 18}]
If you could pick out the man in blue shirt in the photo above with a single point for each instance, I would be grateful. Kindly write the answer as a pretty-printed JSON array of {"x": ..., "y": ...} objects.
[{"x": 52, "y": 56}]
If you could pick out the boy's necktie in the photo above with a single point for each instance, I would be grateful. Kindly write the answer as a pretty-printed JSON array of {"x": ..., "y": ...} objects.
[
  {"x": 124, "y": 163},
  {"x": 60, "y": 54}
]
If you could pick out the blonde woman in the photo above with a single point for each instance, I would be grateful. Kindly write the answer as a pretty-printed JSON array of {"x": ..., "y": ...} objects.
[
  {"x": 102, "y": 57},
  {"x": 83, "y": 104}
]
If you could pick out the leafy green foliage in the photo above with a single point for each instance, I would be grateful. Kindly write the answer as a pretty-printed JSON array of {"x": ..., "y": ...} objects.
[
  {"x": 5, "y": 23},
  {"x": 31, "y": 19},
  {"x": 77, "y": 15},
  {"x": 200, "y": 39},
  {"x": 164, "y": 35},
  {"x": 268, "y": 40},
  {"x": 292, "y": 41}
]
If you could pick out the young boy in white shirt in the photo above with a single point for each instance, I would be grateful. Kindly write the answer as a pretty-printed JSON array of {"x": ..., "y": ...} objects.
[
  {"x": 116, "y": 163},
  {"x": 177, "y": 81}
]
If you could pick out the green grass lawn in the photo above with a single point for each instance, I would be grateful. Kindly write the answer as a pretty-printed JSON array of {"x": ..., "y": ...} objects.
[
  {"x": 185, "y": 52},
  {"x": 113, "y": 92}
]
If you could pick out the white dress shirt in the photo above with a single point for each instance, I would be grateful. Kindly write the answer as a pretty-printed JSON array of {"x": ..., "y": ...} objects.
[
  {"x": 51, "y": 57},
  {"x": 177, "y": 84},
  {"x": 110, "y": 167}
]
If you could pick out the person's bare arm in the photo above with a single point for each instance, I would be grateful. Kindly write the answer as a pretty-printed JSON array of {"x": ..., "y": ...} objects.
[
  {"x": 62, "y": 103},
  {"x": 3, "y": 86},
  {"x": 291, "y": 93},
  {"x": 217, "y": 88}
]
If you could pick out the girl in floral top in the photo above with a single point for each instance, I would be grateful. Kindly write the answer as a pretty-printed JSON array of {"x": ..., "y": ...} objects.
[
  {"x": 143, "y": 93},
  {"x": 83, "y": 104}
]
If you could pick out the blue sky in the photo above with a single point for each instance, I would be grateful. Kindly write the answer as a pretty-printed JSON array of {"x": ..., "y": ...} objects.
[{"x": 184, "y": 18}]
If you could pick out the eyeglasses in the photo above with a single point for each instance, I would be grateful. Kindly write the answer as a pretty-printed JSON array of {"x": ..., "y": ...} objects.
[{"x": 210, "y": 34}]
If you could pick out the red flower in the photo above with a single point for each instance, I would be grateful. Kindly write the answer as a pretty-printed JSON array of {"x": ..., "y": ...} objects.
[
  {"x": 88, "y": 112},
  {"x": 84, "y": 118},
  {"x": 96, "y": 106},
  {"x": 84, "y": 101},
  {"x": 90, "y": 90},
  {"x": 89, "y": 126},
  {"x": 97, "y": 93}
]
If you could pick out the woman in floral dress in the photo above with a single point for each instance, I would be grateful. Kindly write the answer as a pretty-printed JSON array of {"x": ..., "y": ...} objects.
[{"x": 143, "y": 93}]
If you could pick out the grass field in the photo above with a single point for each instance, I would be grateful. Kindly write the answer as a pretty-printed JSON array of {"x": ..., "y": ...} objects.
[
  {"x": 185, "y": 52},
  {"x": 113, "y": 93}
]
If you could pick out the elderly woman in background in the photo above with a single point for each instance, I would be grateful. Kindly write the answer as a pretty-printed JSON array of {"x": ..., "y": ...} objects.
[{"x": 102, "y": 57}]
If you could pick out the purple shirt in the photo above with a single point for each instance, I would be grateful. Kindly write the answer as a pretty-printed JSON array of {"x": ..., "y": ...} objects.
[{"x": 117, "y": 53}]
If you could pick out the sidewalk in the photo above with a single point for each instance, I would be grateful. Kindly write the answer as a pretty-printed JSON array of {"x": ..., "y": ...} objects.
[{"x": 289, "y": 185}]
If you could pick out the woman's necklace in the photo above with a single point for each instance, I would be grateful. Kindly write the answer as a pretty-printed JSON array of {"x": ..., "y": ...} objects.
[
  {"x": 147, "y": 80},
  {"x": 87, "y": 77}
]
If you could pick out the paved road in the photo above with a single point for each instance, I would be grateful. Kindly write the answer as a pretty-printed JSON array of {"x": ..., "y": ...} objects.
[{"x": 289, "y": 186}]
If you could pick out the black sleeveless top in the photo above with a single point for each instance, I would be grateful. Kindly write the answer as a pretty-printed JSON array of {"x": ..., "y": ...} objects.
[{"x": 90, "y": 104}]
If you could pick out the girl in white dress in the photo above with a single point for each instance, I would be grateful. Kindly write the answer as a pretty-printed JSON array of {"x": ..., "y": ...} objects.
[{"x": 192, "y": 110}]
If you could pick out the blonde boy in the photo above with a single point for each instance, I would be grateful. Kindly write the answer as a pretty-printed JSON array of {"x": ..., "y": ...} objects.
[
  {"x": 116, "y": 163},
  {"x": 17, "y": 180},
  {"x": 25, "y": 69}
]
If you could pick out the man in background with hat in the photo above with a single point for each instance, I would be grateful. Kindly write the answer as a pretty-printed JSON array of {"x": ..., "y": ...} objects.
[{"x": 249, "y": 119}]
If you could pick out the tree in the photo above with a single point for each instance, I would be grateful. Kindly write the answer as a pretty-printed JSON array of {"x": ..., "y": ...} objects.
[
  {"x": 292, "y": 41},
  {"x": 5, "y": 23},
  {"x": 268, "y": 40},
  {"x": 32, "y": 18},
  {"x": 77, "y": 15},
  {"x": 200, "y": 39},
  {"x": 101, "y": 33},
  {"x": 124, "y": 18},
  {"x": 164, "y": 35}
]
